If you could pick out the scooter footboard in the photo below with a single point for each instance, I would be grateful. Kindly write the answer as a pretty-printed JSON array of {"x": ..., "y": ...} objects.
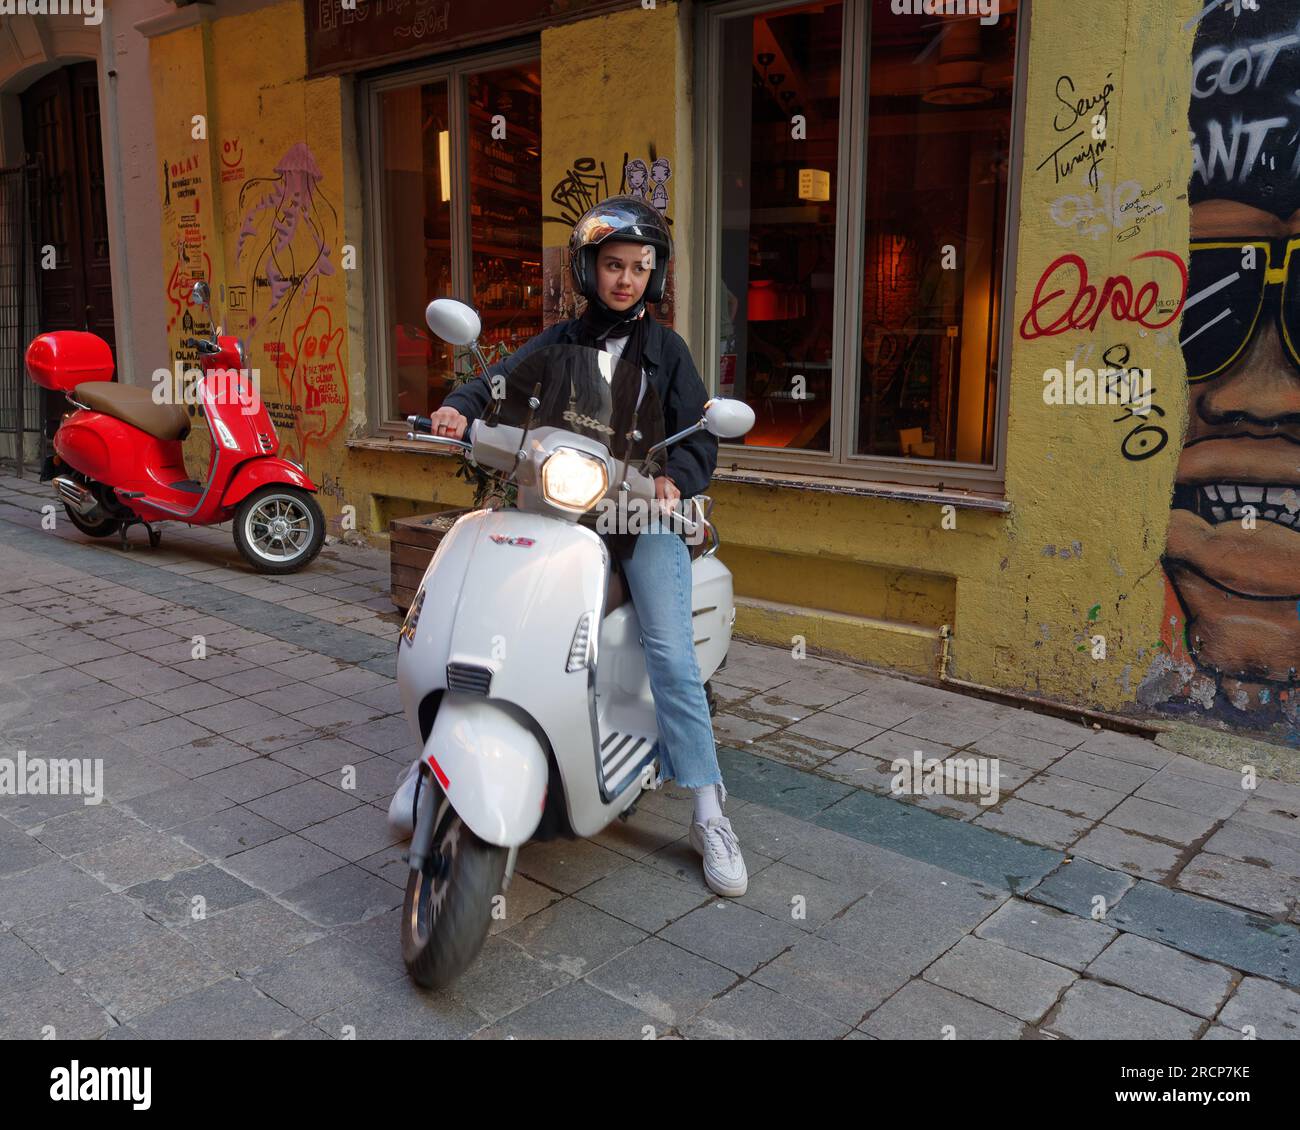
[{"x": 491, "y": 766}]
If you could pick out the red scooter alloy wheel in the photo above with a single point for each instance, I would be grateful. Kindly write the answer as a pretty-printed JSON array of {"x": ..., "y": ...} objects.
[{"x": 279, "y": 529}]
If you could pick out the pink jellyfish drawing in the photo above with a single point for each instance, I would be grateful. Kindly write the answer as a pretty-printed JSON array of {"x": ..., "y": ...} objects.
[{"x": 284, "y": 225}]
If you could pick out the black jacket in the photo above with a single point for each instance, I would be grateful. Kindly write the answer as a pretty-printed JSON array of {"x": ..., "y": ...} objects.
[{"x": 669, "y": 369}]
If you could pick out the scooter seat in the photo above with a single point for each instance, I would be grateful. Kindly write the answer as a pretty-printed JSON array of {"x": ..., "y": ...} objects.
[
  {"x": 134, "y": 406},
  {"x": 616, "y": 590}
]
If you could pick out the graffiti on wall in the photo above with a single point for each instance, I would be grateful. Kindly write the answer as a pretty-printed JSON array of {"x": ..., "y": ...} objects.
[
  {"x": 1232, "y": 556},
  {"x": 285, "y": 248},
  {"x": 1121, "y": 209},
  {"x": 1080, "y": 121}
]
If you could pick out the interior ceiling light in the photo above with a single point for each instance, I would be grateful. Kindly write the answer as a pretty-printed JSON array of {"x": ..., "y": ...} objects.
[{"x": 959, "y": 75}]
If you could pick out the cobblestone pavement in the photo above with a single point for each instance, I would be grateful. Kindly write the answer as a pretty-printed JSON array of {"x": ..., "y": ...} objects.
[{"x": 239, "y": 879}]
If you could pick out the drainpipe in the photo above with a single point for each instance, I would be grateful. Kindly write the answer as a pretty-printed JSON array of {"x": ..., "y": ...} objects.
[{"x": 1098, "y": 719}]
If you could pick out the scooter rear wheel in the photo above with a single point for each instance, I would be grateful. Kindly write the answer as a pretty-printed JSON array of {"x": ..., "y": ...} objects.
[
  {"x": 103, "y": 529},
  {"x": 279, "y": 529},
  {"x": 448, "y": 906}
]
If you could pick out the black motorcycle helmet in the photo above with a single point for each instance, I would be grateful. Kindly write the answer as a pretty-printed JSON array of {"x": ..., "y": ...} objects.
[{"x": 619, "y": 218}]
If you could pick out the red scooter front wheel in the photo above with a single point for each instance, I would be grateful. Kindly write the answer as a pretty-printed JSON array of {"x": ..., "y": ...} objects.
[{"x": 279, "y": 529}]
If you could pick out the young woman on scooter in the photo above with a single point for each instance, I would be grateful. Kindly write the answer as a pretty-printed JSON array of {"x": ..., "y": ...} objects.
[{"x": 618, "y": 256}]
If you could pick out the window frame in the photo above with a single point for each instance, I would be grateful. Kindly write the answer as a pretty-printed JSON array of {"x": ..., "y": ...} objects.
[
  {"x": 850, "y": 221},
  {"x": 454, "y": 70}
]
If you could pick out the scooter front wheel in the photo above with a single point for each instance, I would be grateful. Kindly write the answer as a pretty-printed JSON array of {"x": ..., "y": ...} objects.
[
  {"x": 448, "y": 906},
  {"x": 279, "y": 529}
]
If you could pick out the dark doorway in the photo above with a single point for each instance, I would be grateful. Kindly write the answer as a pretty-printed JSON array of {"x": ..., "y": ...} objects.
[{"x": 61, "y": 135}]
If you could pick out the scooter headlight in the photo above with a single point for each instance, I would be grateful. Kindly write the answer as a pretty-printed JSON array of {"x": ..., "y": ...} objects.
[{"x": 574, "y": 479}]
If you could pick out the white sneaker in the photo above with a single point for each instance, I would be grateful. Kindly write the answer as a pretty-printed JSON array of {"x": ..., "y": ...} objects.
[
  {"x": 401, "y": 809},
  {"x": 724, "y": 866}
]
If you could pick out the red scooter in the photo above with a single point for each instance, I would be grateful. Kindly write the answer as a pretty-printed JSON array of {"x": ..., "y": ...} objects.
[{"x": 118, "y": 460}]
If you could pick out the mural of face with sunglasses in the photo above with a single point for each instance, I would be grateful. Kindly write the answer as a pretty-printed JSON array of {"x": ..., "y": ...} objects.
[{"x": 1233, "y": 550}]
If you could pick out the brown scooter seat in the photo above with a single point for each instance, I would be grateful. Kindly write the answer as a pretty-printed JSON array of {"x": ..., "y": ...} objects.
[{"x": 134, "y": 406}]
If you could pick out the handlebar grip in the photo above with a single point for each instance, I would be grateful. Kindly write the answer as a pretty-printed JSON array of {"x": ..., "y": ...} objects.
[
  {"x": 191, "y": 343},
  {"x": 421, "y": 424}
]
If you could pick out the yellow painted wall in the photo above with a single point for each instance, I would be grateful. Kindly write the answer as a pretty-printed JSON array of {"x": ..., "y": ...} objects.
[{"x": 1079, "y": 552}]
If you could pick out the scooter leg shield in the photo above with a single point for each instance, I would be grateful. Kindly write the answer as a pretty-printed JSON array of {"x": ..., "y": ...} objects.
[{"x": 491, "y": 766}]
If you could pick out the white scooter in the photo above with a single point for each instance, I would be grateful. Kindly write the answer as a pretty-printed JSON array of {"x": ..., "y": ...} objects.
[{"x": 520, "y": 662}]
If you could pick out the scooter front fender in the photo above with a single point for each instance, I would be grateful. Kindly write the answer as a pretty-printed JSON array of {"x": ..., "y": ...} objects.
[
  {"x": 264, "y": 470},
  {"x": 491, "y": 766}
]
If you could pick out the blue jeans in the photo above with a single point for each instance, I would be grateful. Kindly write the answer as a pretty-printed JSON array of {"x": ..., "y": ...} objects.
[{"x": 659, "y": 581}]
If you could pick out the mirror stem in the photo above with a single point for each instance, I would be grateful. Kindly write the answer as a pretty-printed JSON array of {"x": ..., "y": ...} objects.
[
  {"x": 490, "y": 418},
  {"x": 662, "y": 444},
  {"x": 478, "y": 355}
]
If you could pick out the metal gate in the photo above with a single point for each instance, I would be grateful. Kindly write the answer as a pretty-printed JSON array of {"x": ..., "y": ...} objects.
[{"x": 20, "y": 407}]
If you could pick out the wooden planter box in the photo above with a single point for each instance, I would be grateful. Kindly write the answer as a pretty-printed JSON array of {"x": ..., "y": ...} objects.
[{"x": 411, "y": 545}]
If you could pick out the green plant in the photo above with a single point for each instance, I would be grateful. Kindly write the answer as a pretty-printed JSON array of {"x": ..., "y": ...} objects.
[{"x": 490, "y": 489}]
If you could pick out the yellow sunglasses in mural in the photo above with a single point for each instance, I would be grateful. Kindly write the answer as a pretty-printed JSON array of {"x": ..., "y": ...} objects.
[{"x": 1231, "y": 285}]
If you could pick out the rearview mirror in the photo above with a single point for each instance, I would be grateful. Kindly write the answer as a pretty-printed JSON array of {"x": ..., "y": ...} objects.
[
  {"x": 728, "y": 419},
  {"x": 453, "y": 321},
  {"x": 201, "y": 294}
]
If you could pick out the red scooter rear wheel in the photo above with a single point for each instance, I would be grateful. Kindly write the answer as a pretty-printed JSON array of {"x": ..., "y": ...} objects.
[
  {"x": 103, "y": 529},
  {"x": 279, "y": 529}
]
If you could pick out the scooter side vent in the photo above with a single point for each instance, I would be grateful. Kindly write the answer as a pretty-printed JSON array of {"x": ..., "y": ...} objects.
[{"x": 469, "y": 677}]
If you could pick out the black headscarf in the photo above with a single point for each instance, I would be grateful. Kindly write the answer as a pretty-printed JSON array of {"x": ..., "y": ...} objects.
[{"x": 598, "y": 323}]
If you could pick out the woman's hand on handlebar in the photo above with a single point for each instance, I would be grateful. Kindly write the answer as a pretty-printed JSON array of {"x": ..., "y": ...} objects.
[
  {"x": 666, "y": 492},
  {"x": 448, "y": 422}
]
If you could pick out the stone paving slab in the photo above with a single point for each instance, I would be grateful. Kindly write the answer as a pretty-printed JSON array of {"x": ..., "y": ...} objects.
[
  {"x": 1154, "y": 970},
  {"x": 233, "y": 885},
  {"x": 968, "y": 850},
  {"x": 1093, "y": 1011},
  {"x": 844, "y": 984},
  {"x": 1035, "y": 823},
  {"x": 1270, "y": 1010},
  {"x": 231, "y": 1009},
  {"x": 1026, "y": 987},
  {"x": 1040, "y": 931},
  {"x": 923, "y": 1011},
  {"x": 666, "y": 982},
  {"x": 1246, "y": 884},
  {"x": 749, "y": 1011},
  {"x": 1211, "y": 930},
  {"x": 1128, "y": 852}
]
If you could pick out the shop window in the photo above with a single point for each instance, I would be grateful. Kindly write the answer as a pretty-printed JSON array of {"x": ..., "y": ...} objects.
[
  {"x": 455, "y": 174},
  {"x": 857, "y": 199},
  {"x": 780, "y": 120}
]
